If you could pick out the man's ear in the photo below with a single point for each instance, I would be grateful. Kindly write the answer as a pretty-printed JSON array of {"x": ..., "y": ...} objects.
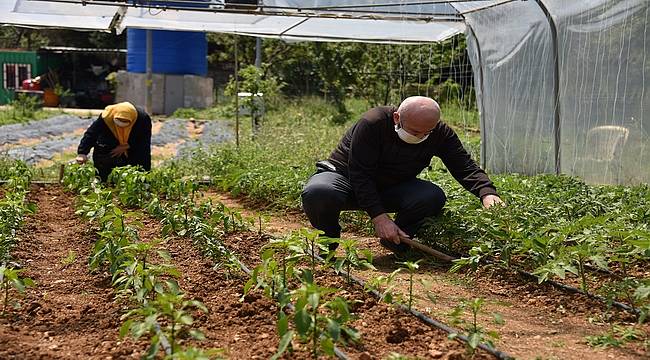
[{"x": 395, "y": 118}]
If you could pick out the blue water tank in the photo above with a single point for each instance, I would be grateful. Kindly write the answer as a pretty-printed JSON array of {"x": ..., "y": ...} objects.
[{"x": 174, "y": 52}]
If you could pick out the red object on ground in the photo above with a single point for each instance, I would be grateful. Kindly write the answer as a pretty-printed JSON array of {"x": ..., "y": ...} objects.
[
  {"x": 31, "y": 84},
  {"x": 106, "y": 98}
]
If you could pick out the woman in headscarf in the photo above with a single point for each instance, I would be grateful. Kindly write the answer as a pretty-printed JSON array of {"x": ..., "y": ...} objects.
[{"x": 121, "y": 136}]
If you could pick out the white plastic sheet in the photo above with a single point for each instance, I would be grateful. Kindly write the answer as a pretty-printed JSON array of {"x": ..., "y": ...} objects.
[
  {"x": 604, "y": 62},
  {"x": 285, "y": 26},
  {"x": 293, "y": 27},
  {"x": 603, "y": 68},
  {"x": 516, "y": 100},
  {"x": 56, "y": 15}
]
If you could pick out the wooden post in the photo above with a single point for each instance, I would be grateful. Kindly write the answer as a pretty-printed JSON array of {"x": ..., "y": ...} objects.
[{"x": 61, "y": 171}]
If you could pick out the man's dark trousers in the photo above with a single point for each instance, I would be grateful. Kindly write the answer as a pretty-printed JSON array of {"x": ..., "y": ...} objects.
[{"x": 327, "y": 193}]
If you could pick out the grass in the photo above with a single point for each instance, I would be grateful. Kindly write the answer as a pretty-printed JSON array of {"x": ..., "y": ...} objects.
[
  {"x": 272, "y": 168},
  {"x": 213, "y": 113},
  {"x": 10, "y": 115}
]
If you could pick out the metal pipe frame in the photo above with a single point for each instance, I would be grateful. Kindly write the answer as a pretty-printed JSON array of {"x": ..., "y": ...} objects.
[
  {"x": 556, "y": 88},
  {"x": 481, "y": 86},
  {"x": 260, "y": 10}
]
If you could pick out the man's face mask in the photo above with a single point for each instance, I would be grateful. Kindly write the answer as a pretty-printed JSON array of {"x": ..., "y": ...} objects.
[{"x": 406, "y": 137}]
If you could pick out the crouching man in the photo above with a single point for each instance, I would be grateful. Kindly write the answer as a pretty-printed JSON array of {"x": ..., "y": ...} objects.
[{"x": 375, "y": 166}]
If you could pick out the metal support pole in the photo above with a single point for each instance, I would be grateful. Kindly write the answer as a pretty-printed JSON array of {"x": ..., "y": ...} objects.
[
  {"x": 556, "y": 87},
  {"x": 258, "y": 52},
  {"x": 149, "y": 81},
  {"x": 481, "y": 81},
  {"x": 236, "y": 93}
]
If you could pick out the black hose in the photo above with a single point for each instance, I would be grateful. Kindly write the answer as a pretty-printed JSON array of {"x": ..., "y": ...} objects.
[
  {"x": 575, "y": 290},
  {"x": 427, "y": 320}
]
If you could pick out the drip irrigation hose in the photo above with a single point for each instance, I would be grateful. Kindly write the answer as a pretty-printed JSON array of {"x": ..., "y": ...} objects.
[
  {"x": 575, "y": 290},
  {"x": 568, "y": 288},
  {"x": 339, "y": 354},
  {"x": 427, "y": 320},
  {"x": 163, "y": 340}
]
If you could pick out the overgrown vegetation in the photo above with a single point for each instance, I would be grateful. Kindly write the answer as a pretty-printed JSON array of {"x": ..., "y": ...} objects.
[
  {"x": 273, "y": 167},
  {"x": 24, "y": 108}
]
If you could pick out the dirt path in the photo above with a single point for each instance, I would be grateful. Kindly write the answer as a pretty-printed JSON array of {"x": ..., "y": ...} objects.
[
  {"x": 540, "y": 321},
  {"x": 70, "y": 313}
]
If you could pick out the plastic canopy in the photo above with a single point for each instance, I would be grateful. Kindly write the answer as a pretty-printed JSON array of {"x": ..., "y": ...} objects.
[
  {"x": 56, "y": 15},
  {"x": 403, "y": 26}
]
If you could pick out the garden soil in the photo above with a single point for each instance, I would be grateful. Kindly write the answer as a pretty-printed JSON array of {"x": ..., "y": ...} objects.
[
  {"x": 540, "y": 320},
  {"x": 72, "y": 313}
]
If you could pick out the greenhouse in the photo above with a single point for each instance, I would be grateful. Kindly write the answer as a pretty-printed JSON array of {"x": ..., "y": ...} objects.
[{"x": 303, "y": 179}]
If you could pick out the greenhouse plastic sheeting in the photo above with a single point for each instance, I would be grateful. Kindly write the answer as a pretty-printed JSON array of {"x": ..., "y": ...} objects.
[
  {"x": 603, "y": 68},
  {"x": 604, "y": 95},
  {"x": 291, "y": 27},
  {"x": 56, "y": 15},
  {"x": 516, "y": 87},
  {"x": 76, "y": 16},
  {"x": 360, "y": 7}
]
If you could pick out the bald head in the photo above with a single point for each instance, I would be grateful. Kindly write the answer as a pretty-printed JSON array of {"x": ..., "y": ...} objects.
[{"x": 418, "y": 114}]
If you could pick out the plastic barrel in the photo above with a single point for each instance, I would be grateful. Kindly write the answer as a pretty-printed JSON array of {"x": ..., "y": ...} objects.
[{"x": 174, "y": 52}]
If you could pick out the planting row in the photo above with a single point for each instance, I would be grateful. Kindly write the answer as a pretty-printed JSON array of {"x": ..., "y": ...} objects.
[
  {"x": 594, "y": 237},
  {"x": 140, "y": 272},
  {"x": 13, "y": 208}
]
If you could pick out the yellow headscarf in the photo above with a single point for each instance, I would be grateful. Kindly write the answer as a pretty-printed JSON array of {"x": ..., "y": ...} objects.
[{"x": 124, "y": 112}]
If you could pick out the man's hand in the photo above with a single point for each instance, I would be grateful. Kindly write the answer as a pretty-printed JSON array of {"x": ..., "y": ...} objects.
[
  {"x": 386, "y": 229},
  {"x": 491, "y": 200},
  {"x": 119, "y": 150},
  {"x": 81, "y": 159}
]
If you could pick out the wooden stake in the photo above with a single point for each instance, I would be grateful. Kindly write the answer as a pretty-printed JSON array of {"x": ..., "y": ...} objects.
[{"x": 61, "y": 171}]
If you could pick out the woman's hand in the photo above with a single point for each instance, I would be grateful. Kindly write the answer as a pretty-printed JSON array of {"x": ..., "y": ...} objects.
[
  {"x": 81, "y": 159},
  {"x": 119, "y": 150}
]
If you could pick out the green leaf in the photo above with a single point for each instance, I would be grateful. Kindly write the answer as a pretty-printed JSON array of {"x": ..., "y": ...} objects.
[
  {"x": 282, "y": 324},
  {"x": 333, "y": 329},
  {"x": 303, "y": 321},
  {"x": 642, "y": 292},
  {"x": 196, "y": 334},
  {"x": 327, "y": 345},
  {"x": 282, "y": 346},
  {"x": 473, "y": 340},
  {"x": 124, "y": 329},
  {"x": 186, "y": 320},
  {"x": 498, "y": 319}
]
